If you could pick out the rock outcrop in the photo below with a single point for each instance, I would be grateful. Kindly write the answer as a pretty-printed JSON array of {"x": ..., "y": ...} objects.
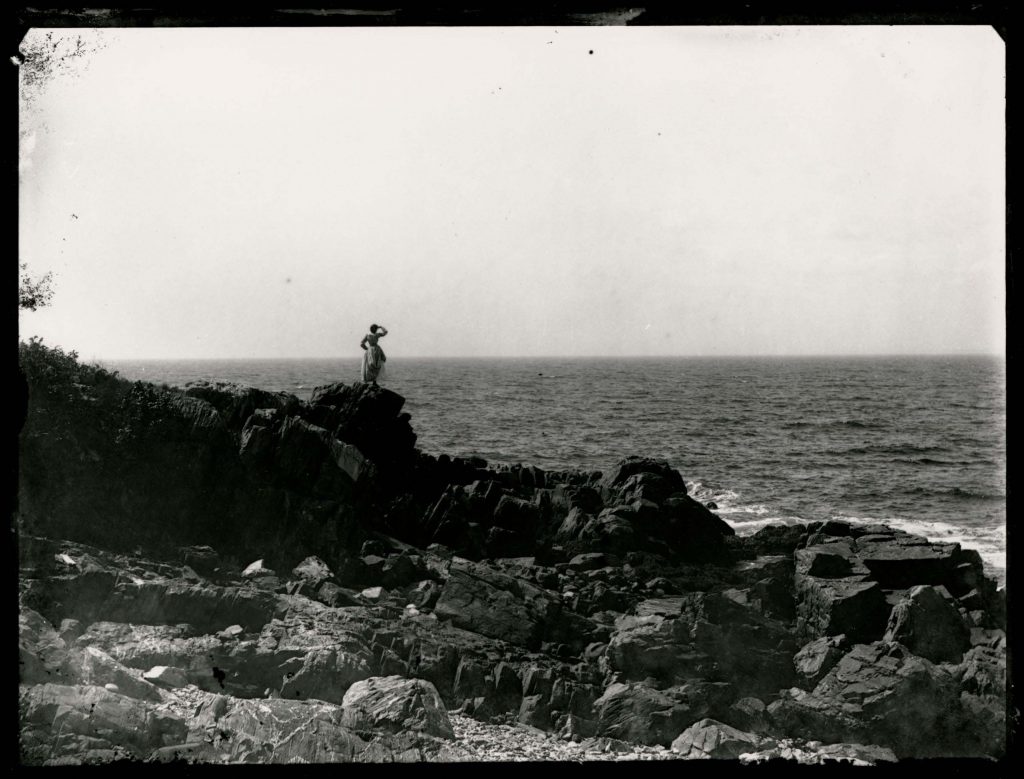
[{"x": 395, "y": 588}]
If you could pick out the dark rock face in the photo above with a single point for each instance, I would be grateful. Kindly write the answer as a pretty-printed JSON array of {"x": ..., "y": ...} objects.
[
  {"x": 878, "y": 694},
  {"x": 928, "y": 624},
  {"x": 496, "y": 605}
]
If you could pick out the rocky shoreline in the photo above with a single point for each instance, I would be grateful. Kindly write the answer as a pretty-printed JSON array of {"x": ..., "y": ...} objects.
[{"x": 225, "y": 575}]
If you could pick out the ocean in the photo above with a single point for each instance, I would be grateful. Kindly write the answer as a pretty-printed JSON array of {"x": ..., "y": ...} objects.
[{"x": 915, "y": 442}]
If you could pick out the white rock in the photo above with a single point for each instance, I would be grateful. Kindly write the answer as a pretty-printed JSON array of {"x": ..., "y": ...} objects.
[
  {"x": 372, "y": 593},
  {"x": 256, "y": 569},
  {"x": 166, "y": 675}
]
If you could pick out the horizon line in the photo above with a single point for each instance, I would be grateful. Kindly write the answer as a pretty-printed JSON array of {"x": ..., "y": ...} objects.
[{"x": 356, "y": 358}]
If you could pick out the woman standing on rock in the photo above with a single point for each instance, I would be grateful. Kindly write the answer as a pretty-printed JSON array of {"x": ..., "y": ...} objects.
[{"x": 373, "y": 355}]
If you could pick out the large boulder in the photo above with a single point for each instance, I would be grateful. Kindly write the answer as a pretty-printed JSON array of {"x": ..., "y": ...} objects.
[
  {"x": 637, "y": 712},
  {"x": 63, "y": 720},
  {"x": 709, "y": 738},
  {"x": 366, "y": 416},
  {"x": 877, "y": 694},
  {"x": 276, "y": 730},
  {"x": 904, "y": 560},
  {"x": 478, "y": 598},
  {"x": 632, "y": 466},
  {"x": 395, "y": 705},
  {"x": 929, "y": 625},
  {"x": 851, "y": 606},
  {"x": 653, "y": 646}
]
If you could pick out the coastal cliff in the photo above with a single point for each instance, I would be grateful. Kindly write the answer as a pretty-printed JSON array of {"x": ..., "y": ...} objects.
[{"x": 205, "y": 572}]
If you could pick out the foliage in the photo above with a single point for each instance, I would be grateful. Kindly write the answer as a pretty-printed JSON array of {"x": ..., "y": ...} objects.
[
  {"x": 34, "y": 293},
  {"x": 57, "y": 53},
  {"x": 51, "y": 370}
]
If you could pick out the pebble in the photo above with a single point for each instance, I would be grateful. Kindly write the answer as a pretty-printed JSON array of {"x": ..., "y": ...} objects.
[{"x": 508, "y": 743}]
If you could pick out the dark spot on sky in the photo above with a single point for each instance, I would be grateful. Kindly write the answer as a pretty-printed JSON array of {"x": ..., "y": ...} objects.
[
  {"x": 591, "y": 51},
  {"x": 288, "y": 280}
]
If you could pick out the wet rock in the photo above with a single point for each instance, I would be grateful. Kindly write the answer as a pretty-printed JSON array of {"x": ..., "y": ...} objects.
[
  {"x": 394, "y": 704},
  {"x": 709, "y": 738}
]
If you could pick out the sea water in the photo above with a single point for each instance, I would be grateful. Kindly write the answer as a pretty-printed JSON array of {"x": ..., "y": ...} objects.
[{"x": 915, "y": 442}]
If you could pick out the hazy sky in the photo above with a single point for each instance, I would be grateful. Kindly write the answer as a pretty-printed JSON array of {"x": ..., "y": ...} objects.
[{"x": 519, "y": 191}]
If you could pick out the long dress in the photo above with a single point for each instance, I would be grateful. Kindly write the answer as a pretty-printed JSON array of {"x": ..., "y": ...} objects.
[{"x": 373, "y": 359}]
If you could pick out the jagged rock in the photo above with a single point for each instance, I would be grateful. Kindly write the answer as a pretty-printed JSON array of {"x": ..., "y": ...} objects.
[
  {"x": 772, "y": 540},
  {"x": 877, "y": 694},
  {"x": 41, "y": 651},
  {"x": 817, "y": 657},
  {"x": 830, "y": 560},
  {"x": 901, "y": 561},
  {"x": 106, "y": 596},
  {"x": 748, "y": 714},
  {"x": 587, "y": 562},
  {"x": 324, "y": 674},
  {"x": 751, "y": 651},
  {"x": 236, "y": 402},
  {"x": 278, "y": 731},
  {"x": 832, "y": 607},
  {"x": 330, "y": 594},
  {"x": 90, "y": 665},
  {"x": 203, "y": 559},
  {"x": 639, "y": 713},
  {"x": 535, "y": 711},
  {"x": 517, "y": 515},
  {"x": 630, "y": 466},
  {"x": 709, "y": 738},
  {"x": 658, "y": 647},
  {"x": 612, "y": 531},
  {"x": 929, "y": 625},
  {"x": 394, "y": 704},
  {"x": 50, "y": 713},
  {"x": 485, "y": 601},
  {"x": 313, "y": 570}
]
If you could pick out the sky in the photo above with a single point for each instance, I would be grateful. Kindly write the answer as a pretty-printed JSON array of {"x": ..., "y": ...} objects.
[{"x": 526, "y": 191}]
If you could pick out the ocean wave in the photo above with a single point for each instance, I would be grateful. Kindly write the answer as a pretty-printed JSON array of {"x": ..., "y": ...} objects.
[
  {"x": 902, "y": 448},
  {"x": 836, "y": 423}
]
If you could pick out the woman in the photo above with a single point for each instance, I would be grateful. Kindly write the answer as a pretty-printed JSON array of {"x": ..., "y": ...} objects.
[{"x": 373, "y": 355}]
